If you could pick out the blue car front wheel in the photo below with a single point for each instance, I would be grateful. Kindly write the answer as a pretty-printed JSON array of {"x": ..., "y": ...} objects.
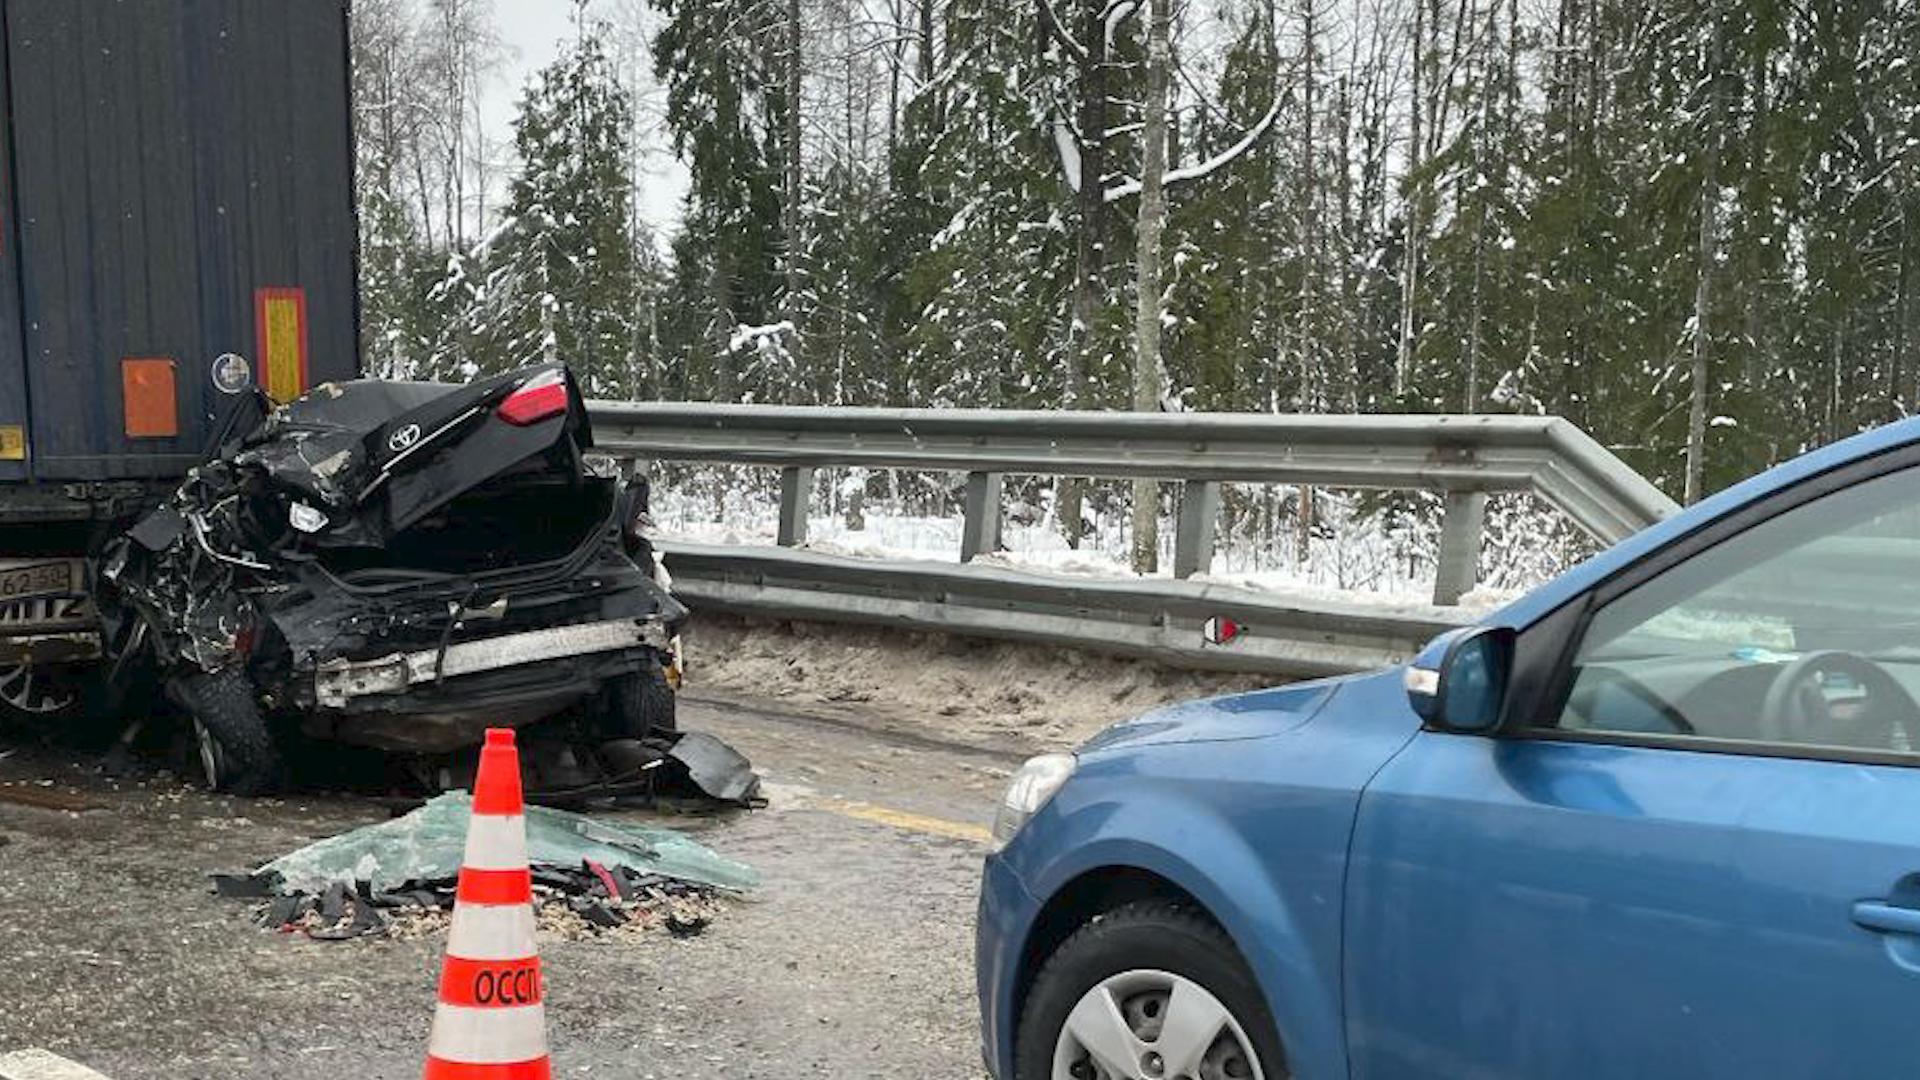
[{"x": 1152, "y": 991}]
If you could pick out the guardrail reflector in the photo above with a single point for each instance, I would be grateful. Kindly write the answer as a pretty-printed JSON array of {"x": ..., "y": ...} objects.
[
  {"x": 13, "y": 442},
  {"x": 280, "y": 327},
  {"x": 148, "y": 398}
]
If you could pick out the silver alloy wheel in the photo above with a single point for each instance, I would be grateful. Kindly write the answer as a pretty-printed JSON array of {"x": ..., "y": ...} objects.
[
  {"x": 1153, "y": 1025},
  {"x": 30, "y": 690}
]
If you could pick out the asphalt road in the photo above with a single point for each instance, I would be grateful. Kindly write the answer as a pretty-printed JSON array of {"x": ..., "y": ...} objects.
[{"x": 853, "y": 960}]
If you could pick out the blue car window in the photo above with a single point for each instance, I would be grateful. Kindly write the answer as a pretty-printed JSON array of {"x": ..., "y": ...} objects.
[{"x": 1803, "y": 630}]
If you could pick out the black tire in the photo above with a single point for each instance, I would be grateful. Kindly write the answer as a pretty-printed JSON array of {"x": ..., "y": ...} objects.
[
  {"x": 1150, "y": 934},
  {"x": 641, "y": 704},
  {"x": 242, "y": 758}
]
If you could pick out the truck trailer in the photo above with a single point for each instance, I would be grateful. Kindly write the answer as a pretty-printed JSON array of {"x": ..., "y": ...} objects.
[{"x": 176, "y": 228}]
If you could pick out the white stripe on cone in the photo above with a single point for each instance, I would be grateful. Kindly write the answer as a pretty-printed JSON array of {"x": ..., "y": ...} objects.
[
  {"x": 496, "y": 842},
  {"x": 491, "y": 932},
  {"x": 488, "y": 1036}
]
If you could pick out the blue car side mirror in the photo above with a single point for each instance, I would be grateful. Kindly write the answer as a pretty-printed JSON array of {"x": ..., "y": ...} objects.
[{"x": 1459, "y": 681}]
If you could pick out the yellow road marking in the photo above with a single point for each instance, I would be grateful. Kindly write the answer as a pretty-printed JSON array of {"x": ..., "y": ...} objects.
[{"x": 901, "y": 819}]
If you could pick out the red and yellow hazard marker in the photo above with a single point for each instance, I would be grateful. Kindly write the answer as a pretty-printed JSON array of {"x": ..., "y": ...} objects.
[
  {"x": 280, "y": 334},
  {"x": 490, "y": 1023}
]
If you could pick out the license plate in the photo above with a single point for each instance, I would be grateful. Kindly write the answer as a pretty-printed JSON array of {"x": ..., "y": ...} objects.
[
  {"x": 42, "y": 579},
  {"x": 45, "y": 613}
]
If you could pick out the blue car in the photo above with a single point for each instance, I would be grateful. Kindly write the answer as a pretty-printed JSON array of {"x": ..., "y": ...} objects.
[{"x": 1660, "y": 818}]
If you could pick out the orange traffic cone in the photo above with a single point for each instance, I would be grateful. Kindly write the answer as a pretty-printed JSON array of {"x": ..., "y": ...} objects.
[{"x": 490, "y": 1023}]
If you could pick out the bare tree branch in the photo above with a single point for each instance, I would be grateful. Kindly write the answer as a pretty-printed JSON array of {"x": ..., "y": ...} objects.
[
  {"x": 1059, "y": 30},
  {"x": 1204, "y": 169}
]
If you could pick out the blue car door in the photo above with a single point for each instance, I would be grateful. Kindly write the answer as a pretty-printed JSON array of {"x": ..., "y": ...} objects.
[{"x": 1693, "y": 850}]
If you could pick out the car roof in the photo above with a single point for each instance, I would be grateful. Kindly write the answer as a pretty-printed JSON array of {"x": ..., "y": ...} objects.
[{"x": 1544, "y": 600}]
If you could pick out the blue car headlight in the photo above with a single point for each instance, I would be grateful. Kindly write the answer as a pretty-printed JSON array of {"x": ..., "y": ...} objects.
[{"x": 1032, "y": 786}]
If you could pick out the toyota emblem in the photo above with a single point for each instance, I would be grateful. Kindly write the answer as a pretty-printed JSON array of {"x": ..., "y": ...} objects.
[{"x": 403, "y": 438}]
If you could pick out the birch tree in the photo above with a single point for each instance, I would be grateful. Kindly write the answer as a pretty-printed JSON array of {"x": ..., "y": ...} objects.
[{"x": 1148, "y": 381}]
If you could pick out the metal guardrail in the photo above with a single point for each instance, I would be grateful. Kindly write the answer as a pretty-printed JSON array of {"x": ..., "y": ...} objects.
[
  {"x": 1157, "y": 620},
  {"x": 1465, "y": 458}
]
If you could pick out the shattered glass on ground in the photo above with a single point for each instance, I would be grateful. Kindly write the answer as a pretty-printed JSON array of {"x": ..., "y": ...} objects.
[{"x": 589, "y": 876}]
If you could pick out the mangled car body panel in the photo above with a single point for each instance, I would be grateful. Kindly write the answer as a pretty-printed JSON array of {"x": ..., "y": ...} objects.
[{"x": 399, "y": 566}]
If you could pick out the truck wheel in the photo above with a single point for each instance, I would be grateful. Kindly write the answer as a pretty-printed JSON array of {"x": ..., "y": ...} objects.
[
  {"x": 1153, "y": 989},
  {"x": 641, "y": 704},
  {"x": 38, "y": 692},
  {"x": 235, "y": 749}
]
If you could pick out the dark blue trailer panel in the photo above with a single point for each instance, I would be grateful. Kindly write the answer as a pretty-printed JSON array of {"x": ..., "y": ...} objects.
[
  {"x": 13, "y": 369},
  {"x": 181, "y": 202}
]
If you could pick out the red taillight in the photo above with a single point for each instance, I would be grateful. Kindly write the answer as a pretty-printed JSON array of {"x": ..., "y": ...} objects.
[{"x": 542, "y": 397}]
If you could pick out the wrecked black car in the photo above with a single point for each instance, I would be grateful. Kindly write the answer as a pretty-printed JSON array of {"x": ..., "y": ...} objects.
[{"x": 398, "y": 566}]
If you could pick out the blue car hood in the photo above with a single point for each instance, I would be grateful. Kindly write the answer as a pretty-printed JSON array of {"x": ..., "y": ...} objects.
[{"x": 1252, "y": 715}]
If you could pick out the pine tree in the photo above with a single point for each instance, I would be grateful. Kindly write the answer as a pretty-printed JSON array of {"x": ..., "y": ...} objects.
[
  {"x": 1682, "y": 224},
  {"x": 726, "y": 101},
  {"x": 987, "y": 295},
  {"x": 1233, "y": 289},
  {"x": 561, "y": 280}
]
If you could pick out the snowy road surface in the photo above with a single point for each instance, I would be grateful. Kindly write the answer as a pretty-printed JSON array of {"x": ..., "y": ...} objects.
[{"x": 855, "y": 959}]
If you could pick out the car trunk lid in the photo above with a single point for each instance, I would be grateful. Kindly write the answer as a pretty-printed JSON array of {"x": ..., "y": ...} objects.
[{"x": 429, "y": 477}]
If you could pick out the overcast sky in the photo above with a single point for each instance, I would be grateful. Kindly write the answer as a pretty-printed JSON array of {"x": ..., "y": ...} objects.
[{"x": 534, "y": 31}]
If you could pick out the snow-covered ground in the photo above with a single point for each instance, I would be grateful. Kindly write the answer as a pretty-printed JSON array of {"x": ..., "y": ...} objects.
[{"x": 1364, "y": 548}]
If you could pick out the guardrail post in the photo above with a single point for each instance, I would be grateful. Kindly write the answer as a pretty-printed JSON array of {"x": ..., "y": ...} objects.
[
  {"x": 1193, "y": 540},
  {"x": 1466, "y": 517},
  {"x": 796, "y": 497},
  {"x": 980, "y": 531}
]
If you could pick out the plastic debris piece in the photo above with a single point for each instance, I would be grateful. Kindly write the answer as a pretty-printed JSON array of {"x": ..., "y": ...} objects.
[
  {"x": 283, "y": 910},
  {"x": 598, "y": 913},
  {"x": 607, "y": 880},
  {"x": 681, "y": 926},
  {"x": 717, "y": 769},
  {"x": 333, "y": 902},
  {"x": 244, "y": 886}
]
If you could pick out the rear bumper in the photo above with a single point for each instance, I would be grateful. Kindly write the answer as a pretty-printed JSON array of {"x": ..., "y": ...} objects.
[
  {"x": 337, "y": 684},
  {"x": 58, "y": 647}
]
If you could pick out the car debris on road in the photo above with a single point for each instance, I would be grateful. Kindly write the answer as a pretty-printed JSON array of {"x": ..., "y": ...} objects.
[
  {"x": 44, "y": 796},
  {"x": 399, "y": 876},
  {"x": 395, "y": 566}
]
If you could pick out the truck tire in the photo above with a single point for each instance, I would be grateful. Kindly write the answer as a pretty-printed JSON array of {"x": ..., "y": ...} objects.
[
  {"x": 1136, "y": 958},
  {"x": 641, "y": 704},
  {"x": 40, "y": 694},
  {"x": 236, "y": 750}
]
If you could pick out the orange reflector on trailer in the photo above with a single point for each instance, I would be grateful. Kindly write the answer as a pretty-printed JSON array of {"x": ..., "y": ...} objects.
[
  {"x": 280, "y": 329},
  {"x": 147, "y": 396}
]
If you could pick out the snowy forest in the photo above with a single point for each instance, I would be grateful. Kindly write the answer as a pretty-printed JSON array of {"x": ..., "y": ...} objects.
[{"x": 1685, "y": 225}]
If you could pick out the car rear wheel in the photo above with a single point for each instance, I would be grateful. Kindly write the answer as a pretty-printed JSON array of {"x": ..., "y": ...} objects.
[
  {"x": 642, "y": 704},
  {"x": 1152, "y": 991},
  {"x": 231, "y": 739}
]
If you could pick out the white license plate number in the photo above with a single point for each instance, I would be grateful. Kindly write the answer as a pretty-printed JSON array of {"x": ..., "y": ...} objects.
[
  {"x": 31, "y": 582},
  {"x": 42, "y": 596}
]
